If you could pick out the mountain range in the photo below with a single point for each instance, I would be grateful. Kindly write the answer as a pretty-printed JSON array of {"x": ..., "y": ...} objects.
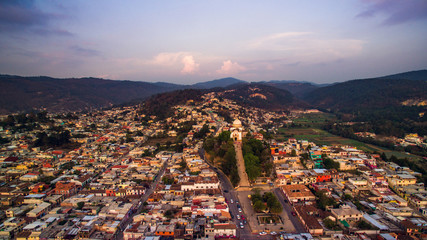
[{"x": 20, "y": 94}]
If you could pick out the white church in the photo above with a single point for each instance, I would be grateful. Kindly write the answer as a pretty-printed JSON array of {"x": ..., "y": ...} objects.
[{"x": 236, "y": 131}]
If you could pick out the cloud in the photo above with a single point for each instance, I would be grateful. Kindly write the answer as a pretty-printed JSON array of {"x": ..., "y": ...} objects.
[
  {"x": 396, "y": 11},
  {"x": 228, "y": 67},
  {"x": 176, "y": 60},
  {"x": 304, "y": 48},
  {"x": 85, "y": 52},
  {"x": 190, "y": 66},
  {"x": 277, "y": 36},
  {"x": 24, "y": 16},
  {"x": 167, "y": 58}
]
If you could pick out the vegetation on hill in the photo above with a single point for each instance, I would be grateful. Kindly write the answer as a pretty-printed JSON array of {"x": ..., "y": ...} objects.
[
  {"x": 222, "y": 147},
  {"x": 391, "y": 106},
  {"x": 298, "y": 89},
  {"x": 261, "y": 96},
  {"x": 72, "y": 94},
  {"x": 223, "y": 82},
  {"x": 161, "y": 105},
  {"x": 359, "y": 95}
]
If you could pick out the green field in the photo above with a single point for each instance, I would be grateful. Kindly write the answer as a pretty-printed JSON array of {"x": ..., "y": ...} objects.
[
  {"x": 321, "y": 137},
  {"x": 314, "y": 119}
]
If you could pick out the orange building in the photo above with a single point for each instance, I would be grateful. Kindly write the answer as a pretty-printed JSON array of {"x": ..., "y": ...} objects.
[
  {"x": 66, "y": 188},
  {"x": 165, "y": 230}
]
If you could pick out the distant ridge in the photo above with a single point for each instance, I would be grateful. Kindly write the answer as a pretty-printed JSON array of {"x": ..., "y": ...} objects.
[
  {"x": 70, "y": 94},
  {"x": 371, "y": 93},
  {"x": 420, "y": 75},
  {"x": 24, "y": 94},
  {"x": 223, "y": 82}
]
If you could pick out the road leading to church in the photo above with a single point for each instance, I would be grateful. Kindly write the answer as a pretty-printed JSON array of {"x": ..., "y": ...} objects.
[{"x": 244, "y": 180}]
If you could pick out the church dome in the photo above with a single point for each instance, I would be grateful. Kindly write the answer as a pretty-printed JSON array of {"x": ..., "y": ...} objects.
[{"x": 237, "y": 123}]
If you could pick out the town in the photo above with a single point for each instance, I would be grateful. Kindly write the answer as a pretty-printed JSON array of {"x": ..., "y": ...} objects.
[{"x": 123, "y": 174}]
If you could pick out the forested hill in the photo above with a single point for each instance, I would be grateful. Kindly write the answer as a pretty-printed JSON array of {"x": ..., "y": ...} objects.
[
  {"x": 161, "y": 105},
  {"x": 262, "y": 96},
  {"x": 73, "y": 94},
  {"x": 368, "y": 94}
]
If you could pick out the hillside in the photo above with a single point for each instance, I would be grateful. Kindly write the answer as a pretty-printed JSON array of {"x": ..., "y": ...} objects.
[
  {"x": 161, "y": 104},
  {"x": 368, "y": 94},
  {"x": 23, "y": 94},
  {"x": 390, "y": 106},
  {"x": 298, "y": 89},
  {"x": 419, "y": 75},
  {"x": 262, "y": 96},
  {"x": 221, "y": 83},
  {"x": 73, "y": 94}
]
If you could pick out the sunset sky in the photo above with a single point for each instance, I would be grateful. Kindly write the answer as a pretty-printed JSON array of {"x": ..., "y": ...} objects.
[{"x": 193, "y": 41}]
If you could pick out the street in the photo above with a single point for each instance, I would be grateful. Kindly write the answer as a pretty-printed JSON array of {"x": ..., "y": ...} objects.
[{"x": 287, "y": 208}]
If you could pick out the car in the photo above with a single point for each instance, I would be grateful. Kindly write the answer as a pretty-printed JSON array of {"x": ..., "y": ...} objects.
[
  {"x": 226, "y": 191},
  {"x": 237, "y": 201},
  {"x": 238, "y": 217},
  {"x": 244, "y": 221},
  {"x": 273, "y": 233},
  {"x": 231, "y": 200},
  {"x": 240, "y": 210},
  {"x": 243, "y": 217},
  {"x": 294, "y": 213},
  {"x": 262, "y": 233},
  {"x": 242, "y": 226}
]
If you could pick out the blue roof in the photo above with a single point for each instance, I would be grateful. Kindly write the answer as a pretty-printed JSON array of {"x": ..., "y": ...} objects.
[{"x": 41, "y": 195}]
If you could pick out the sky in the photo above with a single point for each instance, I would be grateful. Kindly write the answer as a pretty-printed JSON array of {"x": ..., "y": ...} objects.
[{"x": 194, "y": 41}]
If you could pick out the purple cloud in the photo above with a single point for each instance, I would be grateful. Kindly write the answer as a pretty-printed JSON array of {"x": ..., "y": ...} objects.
[
  {"x": 85, "y": 52},
  {"x": 23, "y": 15},
  {"x": 396, "y": 11}
]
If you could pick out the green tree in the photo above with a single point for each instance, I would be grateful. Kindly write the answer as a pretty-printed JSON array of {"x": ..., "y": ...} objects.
[
  {"x": 259, "y": 206},
  {"x": 80, "y": 205},
  {"x": 323, "y": 201},
  {"x": 252, "y": 166},
  {"x": 167, "y": 180},
  {"x": 329, "y": 224},
  {"x": 293, "y": 153},
  {"x": 331, "y": 164}
]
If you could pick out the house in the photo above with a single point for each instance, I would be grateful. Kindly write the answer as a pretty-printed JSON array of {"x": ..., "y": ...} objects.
[
  {"x": 298, "y": 193},
  {"x": 409, "y": 227},
  {"x": 165, "y": 230},
  {"x": 30, "y": 177},
  {"x": 346, "y": 213},
  {"x": 225, "y": 229},
  {"x": 402, "y": 180},
  {"x": 307, "y": 215},
  {"x": 66, "y": 188},
  {"x": 323, "y": 175}
]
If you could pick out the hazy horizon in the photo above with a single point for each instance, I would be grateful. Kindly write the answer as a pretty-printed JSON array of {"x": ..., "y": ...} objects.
[{"x": 186, "y": 42}]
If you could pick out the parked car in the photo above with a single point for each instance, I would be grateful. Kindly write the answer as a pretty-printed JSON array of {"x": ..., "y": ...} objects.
[
  {"x": 238, "y": 217},
  {"x": 262, "y": 233},
  {"x": 273, "y": 233}
]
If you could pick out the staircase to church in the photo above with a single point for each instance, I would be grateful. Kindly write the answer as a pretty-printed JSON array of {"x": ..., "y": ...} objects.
[{"x": 244, "y": 184}]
